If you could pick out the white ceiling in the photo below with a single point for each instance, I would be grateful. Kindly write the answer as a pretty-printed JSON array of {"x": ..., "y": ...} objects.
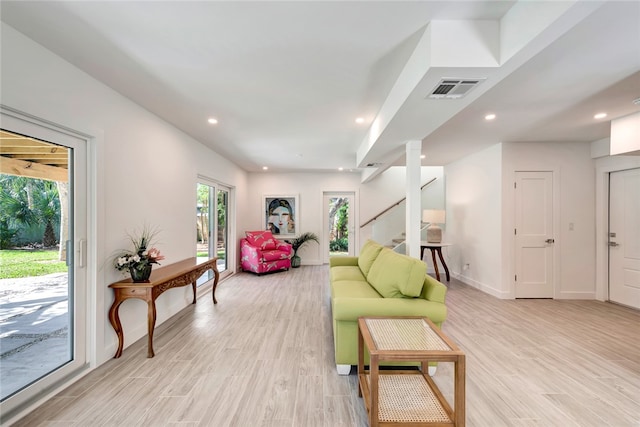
[{"x": 286, "y": 80}]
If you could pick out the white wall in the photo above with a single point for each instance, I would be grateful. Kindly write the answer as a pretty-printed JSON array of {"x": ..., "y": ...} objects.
[
  {"x": 474, "y": 219},
  {"x": 481, "y": 215},
  {"x": 574, "y": 199},
  {"x": 372, "y": 198},
  {"x": 143, "y": 169},
  {"x": 309, "y": 187},
  {"x": 625, "y": 135}
]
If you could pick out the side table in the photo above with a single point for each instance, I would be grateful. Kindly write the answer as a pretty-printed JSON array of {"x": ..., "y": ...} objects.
[
  {"x": 435, "y": 248},
  {"x": 395, "y": 397}
]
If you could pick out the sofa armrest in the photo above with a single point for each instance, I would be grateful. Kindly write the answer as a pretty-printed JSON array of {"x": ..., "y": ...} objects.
[
  {"x": 335, "y": 261},
  {"x": 247, "y": 249},
  {"x": 433, "y": 290},
  {"x": 350, "y": 309}
]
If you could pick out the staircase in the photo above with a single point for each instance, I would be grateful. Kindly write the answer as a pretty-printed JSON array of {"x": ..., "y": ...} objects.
[{"x": 387, "y": 227}]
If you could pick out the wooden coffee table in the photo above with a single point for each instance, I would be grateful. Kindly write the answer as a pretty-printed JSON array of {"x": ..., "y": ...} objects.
[{"x": 395, "y": 397}]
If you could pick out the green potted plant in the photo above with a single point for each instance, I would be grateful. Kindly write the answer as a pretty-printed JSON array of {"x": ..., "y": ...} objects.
[{"x": 299, "y": 242}]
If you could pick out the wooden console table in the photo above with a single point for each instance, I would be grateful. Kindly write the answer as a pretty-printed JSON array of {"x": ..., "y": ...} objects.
[{"x": 172, "y": 276}]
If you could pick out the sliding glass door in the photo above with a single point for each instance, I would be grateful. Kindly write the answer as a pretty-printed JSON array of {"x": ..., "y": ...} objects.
[
  {"x": 43, "y": 231},
  {"x": 212, "y": 213}
]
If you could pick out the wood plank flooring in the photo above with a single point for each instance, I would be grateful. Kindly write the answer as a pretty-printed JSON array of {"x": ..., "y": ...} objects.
[{"x": 263, "y": 356}]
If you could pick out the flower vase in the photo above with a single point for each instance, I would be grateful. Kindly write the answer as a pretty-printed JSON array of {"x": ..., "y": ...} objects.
[{"x": 140, "y": 275}]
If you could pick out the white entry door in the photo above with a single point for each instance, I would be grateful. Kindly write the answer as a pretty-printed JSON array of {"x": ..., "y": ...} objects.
[
  {"x": 624, "y": 237},
  {"x": 339, "y": 224},
  {"x": 534, "y": 235}
]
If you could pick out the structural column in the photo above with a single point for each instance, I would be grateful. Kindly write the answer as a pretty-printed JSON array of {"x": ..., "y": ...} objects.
[{"x": 414, "y": 202}]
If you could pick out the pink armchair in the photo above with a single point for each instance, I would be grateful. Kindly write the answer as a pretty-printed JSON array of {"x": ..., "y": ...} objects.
[{"x": 260, "y": 252}]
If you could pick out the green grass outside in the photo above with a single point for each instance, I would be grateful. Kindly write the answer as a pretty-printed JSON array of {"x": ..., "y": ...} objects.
[
  {"x": 24, "y": 263},
  {"x": 206, "y": 254}
]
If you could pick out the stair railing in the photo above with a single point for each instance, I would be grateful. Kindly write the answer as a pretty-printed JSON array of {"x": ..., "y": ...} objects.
[{"x": 393, "y": 205}]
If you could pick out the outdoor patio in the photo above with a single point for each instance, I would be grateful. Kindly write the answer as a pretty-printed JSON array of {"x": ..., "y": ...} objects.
[{"x": 33, "y": 329}]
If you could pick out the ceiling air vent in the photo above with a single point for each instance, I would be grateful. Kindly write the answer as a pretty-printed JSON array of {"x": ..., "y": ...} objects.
[
  {"x": 374, "y": 165},
  {"x": 453, "y": 88}
]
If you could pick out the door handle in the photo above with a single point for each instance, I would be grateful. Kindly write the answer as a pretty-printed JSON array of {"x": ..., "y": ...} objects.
[
  {"x": 613, "y": 244},
  {"x": 549, "y": 241}
]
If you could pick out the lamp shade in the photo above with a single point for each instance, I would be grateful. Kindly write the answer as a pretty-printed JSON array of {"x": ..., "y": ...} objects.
[{"x": 433, "y": 216}]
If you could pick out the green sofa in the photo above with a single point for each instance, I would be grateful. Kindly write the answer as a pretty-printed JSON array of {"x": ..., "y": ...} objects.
[{"x": 379, "y": 282}]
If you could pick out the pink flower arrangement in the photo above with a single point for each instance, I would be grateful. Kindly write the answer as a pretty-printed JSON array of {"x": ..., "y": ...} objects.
[{"x": 141, "y": 256}]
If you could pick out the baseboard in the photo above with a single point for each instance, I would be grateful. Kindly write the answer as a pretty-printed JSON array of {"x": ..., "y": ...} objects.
[
  {"x": 576, "y": 295},
  {"x": 482, "y": 287},
  {"x": 311, "y": 262}
]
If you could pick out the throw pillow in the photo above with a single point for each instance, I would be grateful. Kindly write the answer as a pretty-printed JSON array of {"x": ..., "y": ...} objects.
[
  {"x": 395, "y": 275},
  {"x": 261, "y": 239},
  {"x": 368, "y": 254}
]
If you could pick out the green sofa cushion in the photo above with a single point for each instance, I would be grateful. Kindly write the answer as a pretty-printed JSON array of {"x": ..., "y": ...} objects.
[
  {"x": 396, "y": 276},
  {"x": 368, "y": 255},
  {"x": 336, "y": 261},
  {"x": 350, "y": 309},
  {"x": 347, "y": 273},
  {"x": 353, "y": 289}
]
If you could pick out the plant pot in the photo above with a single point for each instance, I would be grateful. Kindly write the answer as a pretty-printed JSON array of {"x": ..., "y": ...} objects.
[
  {"x": 295, "y": 261},
  {"x": 140, "y": 275}
]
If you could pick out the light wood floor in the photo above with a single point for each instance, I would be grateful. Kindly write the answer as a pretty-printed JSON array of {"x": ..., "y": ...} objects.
[{"x": 264, "y": 357}]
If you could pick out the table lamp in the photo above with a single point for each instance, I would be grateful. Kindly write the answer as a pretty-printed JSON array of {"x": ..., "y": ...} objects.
[{"x": 433, "y": 217}]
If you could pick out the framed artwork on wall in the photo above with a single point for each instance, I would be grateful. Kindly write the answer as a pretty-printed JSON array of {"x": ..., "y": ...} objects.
[{"x": 281, "y": 215}]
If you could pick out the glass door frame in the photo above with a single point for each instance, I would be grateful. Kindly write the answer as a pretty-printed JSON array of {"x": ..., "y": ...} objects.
[
  {"x": 79, "y": 306},
  {"x": 215, "y": 188}
]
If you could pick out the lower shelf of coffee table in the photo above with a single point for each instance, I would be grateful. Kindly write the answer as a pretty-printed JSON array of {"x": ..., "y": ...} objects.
[{"x": 407, "y": 397}]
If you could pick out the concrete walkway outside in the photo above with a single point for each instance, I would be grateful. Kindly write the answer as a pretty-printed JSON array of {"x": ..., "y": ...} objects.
[{"x": 34, "y": 329}]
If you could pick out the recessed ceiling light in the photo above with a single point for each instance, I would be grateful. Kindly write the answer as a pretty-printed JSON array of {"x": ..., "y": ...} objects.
[
  {"x": 213, "y": 121},
  {"x": 423, "y": 156},
  {"x": 490, "y": 116},
  {"x": 360, "y": 120},
  {"x": 264, "y": 168},
  {"x": 340, "y": 169},
  {"x": 600, "y": 116}
]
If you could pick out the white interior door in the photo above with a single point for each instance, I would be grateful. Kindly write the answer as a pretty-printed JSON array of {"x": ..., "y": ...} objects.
[
  {"x": 534, "y": 235},
  {"x": 624, "y": 237}
]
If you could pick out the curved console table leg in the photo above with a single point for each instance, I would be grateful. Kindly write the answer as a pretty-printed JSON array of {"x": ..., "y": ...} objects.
[
  {"x": 114, "y": 318},
  {"x": 151, "y": 325},
  {"x": 215, "y": 285}
]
